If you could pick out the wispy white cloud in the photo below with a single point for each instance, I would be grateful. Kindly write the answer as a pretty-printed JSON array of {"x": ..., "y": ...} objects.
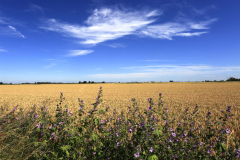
[
  {"x": 34, "y": 8},
  {"x": 204, "y": 10},
  {"x": 104, "y": 24},
  {"x": 201, "y": 25},
  {"x": 74, "y": 53},
  {"x": 10, "y": 21},
  {"x": 169, "y": 70},
  {"x": 48, "y": 59},
  {"x": 156, "y": 60},
  {"x": 171, "y": 29},
  {"x": 3, "y": 20},
  {"x": 6, "y": 27},
  {"x": 3, "y": 50},
  {"x": 53, "y": 60},
  {"x": 189, "y": 34},
  {"x": 15, "y": 31},
  {"x": 115, "y": 45},
  {"x": 109, "y": 24},
  {"x": 51, "y": 65}
]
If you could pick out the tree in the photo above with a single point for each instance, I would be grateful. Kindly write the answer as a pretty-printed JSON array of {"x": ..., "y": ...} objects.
[
  {"x": 233, "y": 79},
  {"x": 84, "y": 81},
  {"x": 79, "y": 81},
  {"x": 171, "y": 81}
]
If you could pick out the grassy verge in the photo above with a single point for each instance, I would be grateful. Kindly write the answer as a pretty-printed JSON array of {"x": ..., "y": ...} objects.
[{"x": 131, "y": 136}]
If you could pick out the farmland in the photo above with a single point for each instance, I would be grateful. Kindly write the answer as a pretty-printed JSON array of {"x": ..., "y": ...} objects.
[{"x": 213, "y": 97}]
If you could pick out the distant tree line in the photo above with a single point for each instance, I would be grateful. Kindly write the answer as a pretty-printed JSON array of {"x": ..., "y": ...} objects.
[
  {"x": 90, "y": 82},
  {"x": 233, "y": 79},
  {"x": 84, "y": 82}
]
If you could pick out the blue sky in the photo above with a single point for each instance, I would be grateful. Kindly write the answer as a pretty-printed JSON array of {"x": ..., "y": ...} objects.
[{"x": 118, "y": 41}]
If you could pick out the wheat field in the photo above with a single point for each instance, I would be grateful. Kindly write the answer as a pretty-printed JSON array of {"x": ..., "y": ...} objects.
[{"x": 212, "y": 96}]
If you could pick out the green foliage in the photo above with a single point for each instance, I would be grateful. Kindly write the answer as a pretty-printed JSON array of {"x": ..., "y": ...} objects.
[{"x": 233, "y": 79}]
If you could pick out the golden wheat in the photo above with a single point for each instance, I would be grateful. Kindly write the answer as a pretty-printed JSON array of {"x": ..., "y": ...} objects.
[{"x": 213, "y": 96}]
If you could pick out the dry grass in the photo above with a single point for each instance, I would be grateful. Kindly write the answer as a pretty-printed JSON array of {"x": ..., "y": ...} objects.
[{"x": 213, "y": 96}]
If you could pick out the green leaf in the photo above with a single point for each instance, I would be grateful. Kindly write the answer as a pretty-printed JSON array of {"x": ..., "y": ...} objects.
[
  {"x": 154, "y": 157},
  {"x": 157, "y": 132},
  {"x": 144, "y": 152},
  {"x": 223, "y": 146},
  {"x": 67, "y": 153},
  {"x": 101, "y": 111},
  {"x": 65, "y": 148},
  {"x": 217, "y": 123},
  {"x": 100, "y": 153},
  {"x": 94, "y": 137},
  {"x": 97, "y": 121}
]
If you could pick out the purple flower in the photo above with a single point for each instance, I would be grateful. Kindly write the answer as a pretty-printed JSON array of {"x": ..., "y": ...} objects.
[
  {"x": 165, "y": 121},
  {"x": 151, "y": 149},
  {"x": 229, "y": 109},
  {"x": 37, "y": 125},
  {"x": 227, "y": 130},
  {"x": 136, "y": 154},
  {"x": 173, "y": 134},
  {"x": 201, "y": 143}
]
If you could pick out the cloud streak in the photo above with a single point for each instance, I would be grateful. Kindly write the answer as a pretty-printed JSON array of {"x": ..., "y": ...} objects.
[
  {"x": 169, "y": 70},
  {"x": 51, "y": 65},
  {"x": 109, "y": 24},
  {"x": 116, "y": 45},
  {"x": 15, "y": 31},
  {"x": 74, "y": 53},
  {"x": 171, "y": 29},
  {"x": 156, "y": 60},
  {"x": 3, "y": 50},
  {"x": 3, "y": 20},
  {"x": 34, "y": 8}
]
